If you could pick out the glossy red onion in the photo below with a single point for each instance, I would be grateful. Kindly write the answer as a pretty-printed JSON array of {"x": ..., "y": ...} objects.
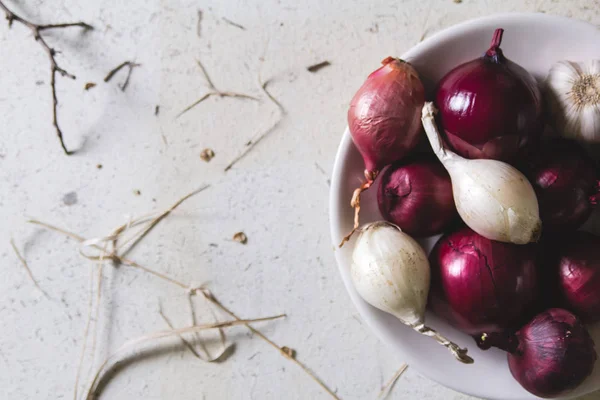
[
  {"x": 480, "y": 285},
  {"x": 384, "y": 119},
  {"x": 416, "y": 195},
  {"x": 566, "y": 183},
  {"x": 578, "y": 267},
  {"x": 490, "y": 107},
  {"x": 549, "y": 356}
]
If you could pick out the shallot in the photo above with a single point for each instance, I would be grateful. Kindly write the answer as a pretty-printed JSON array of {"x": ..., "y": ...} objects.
[
  {"x": 490, "y": 107},
  {"x": 480, "y": 285},
  {"x": 566, "y": 183},
  {"x": 384, "y": 121},
  {"x": 550, "y": 356},
  {"x": 416, "y": 195},
  {"x": 492, "y": 197},
  {"x": 390, "y": 271}
]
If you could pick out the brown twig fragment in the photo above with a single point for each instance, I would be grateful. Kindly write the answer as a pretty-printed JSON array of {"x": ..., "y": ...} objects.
[
  {"x": 230, "y": 22},
  {"x": 213, "y": 92},
  {"x": 26, "y": 266},
  {"x": 387, "y": 389},
  {"x": 54, "y": 67},
  {"x": 317, "y": 67},
  {"x": 89, "y": 85},
  {"x": 129, "y": 64}
]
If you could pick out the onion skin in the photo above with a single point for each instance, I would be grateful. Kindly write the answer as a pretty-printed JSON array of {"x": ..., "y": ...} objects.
[
  {"x": 565, "y": 180},
  {"x": 578, "y": 265},
  {"x": 490, "y": 107},
  {"x": 416, "y": 195},
  {"x": 482, "y": 286},
  {"x": 549, "y": 356},
  {"x": 385, "y": 114}
]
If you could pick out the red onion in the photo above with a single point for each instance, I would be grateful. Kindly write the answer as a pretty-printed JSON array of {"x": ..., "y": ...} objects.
[
  {"x": 578, "y": 267},
  {"x": 385, "y": 120},
  {"x": 416, "y": 195},
  {"x": 551, "y": 355},
  {"x": 480, "y": 285},
  {"x": 490, "y": 107},
  {"x": 566, "y": 183}
]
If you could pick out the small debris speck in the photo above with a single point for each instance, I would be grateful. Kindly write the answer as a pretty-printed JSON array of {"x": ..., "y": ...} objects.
[
  {"x": 137, "y": 192},
  {"x": 458, "y": 1},
  {"x": 70, "y": 198},
  {"x": 156, "y": 110},
  {"x": 99, "y": 166},
  {"x": 240, "y": 237},
  {"x": 207, "y": 154},
  {"x": 89, "y": 85}
]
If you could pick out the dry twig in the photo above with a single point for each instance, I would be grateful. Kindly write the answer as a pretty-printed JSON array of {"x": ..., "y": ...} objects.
[
  {"x": 387, "y": 389},
  {"x": 26, "y": 266},
  {"x": 130, "y": 65},
  {"x": 261, "y": 135},
  {"x": 230, "y": 22},
  {"x": 159, "y": 335},
  {"x": 284, "y": 351},
  {"x": 213, "y": 92},
  {"x": 37, "y": 30}
]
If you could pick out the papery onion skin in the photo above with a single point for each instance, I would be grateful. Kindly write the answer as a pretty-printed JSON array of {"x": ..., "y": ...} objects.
[
  {"x": 490, "y": 107},
  {"x": 578, "y": 267},
  {"x": 554, "y": 355},
  {"x": 482, "y": 286},
  {"x": 416, "y": 195},
  {"x": 385, "y": 114},
  {"x": 565, "y": 180}
]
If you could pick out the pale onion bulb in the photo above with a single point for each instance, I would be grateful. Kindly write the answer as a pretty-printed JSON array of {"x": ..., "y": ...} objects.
[
  {"x": 492, "y": 197},
  {"x": 391, "y": 272},
  {"x": 573, "y": 93}
]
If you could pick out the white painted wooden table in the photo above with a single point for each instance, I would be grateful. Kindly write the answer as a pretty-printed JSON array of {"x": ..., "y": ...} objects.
[{"x": 277, "y": 195}]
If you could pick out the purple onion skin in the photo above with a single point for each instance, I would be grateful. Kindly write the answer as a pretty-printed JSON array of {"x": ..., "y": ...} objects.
[
  {"x": 555, "y": 354},
  {"x": 490, "y": 107},
  {"x": 479, "y": 285},
  {"x": 565, "y": 180},
  {"x": 416, "y": 195},
  {"x": 578, "y": 265},
  {"x": 385, "y": 115}
]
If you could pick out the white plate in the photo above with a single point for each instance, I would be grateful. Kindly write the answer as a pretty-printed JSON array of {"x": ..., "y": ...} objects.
[{"x": 535, "y": 41}]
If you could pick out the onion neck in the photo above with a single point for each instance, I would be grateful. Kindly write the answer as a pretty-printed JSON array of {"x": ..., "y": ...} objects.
[
  {"x": 494, "y": 53},
  {"x": 506, "y": 341}
]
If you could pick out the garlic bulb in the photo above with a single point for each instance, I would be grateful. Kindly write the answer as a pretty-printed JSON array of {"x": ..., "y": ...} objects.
[
  {"x": 391, "y": 272},
  {"x": 573, "y": 92},
  {"x": 492, "y": 197}
]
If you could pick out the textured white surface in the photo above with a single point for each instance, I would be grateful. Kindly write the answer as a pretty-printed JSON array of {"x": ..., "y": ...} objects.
[{"x": 277, "y": 195}]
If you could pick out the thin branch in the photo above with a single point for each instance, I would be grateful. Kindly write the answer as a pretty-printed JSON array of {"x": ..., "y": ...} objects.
[
  {"x": 230, "y": 22},
  {"x": 199, "y": 24},
  {"x": 387, "y": 389},
  {"x": 214, "y": 92},
  {"x": 26, "y": 266},
  {"x": 54, "y": 67},
  {"x": 316, "y": 67},
  {"x": 130, "y": 65},
  {"x": 183, "y": 339},
  {"x": 261, "y": 135}
]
